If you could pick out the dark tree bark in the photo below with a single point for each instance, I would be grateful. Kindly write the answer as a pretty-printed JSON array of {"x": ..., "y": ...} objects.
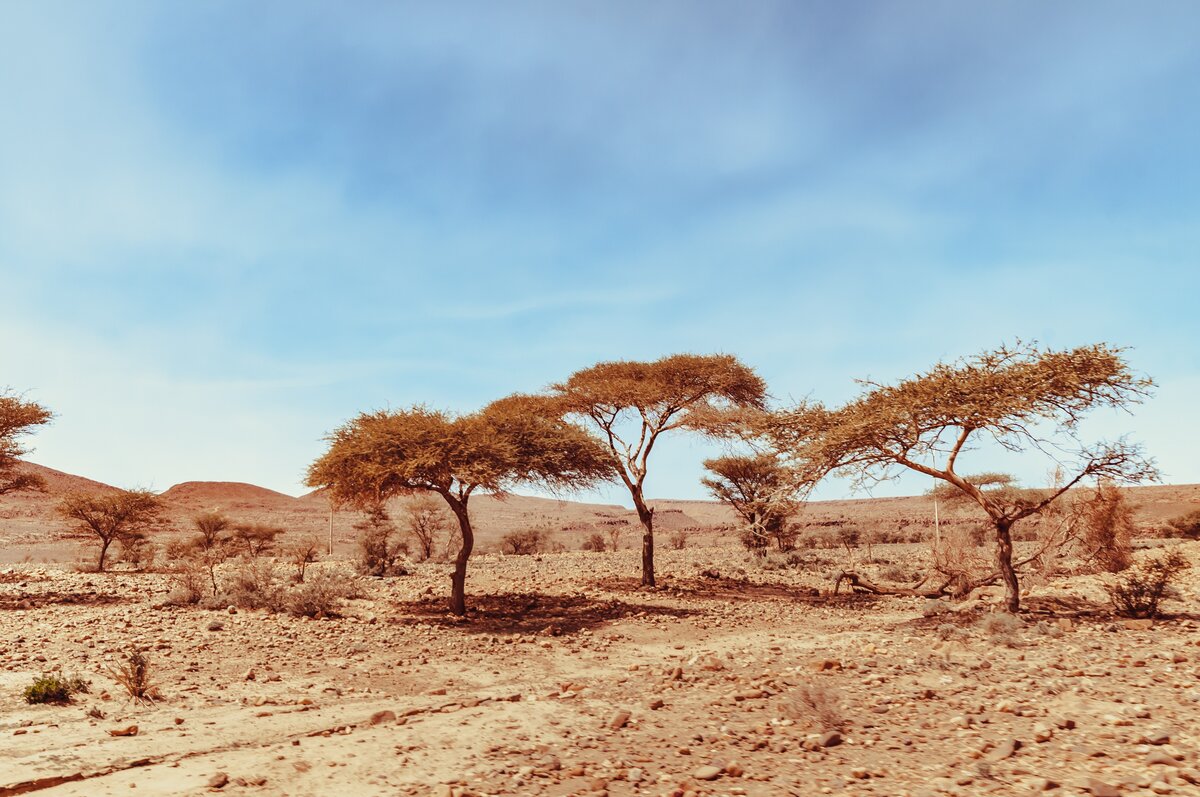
[
  {"x": 646, "y": 516},
  {"x": 458, "y": 580},
  {"x": 1004, "y": 564}
]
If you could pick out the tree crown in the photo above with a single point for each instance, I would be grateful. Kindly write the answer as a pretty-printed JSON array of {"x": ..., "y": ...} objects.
[
  {"x": 512, "y": 441},
  {"x": 17, "y": 419}
]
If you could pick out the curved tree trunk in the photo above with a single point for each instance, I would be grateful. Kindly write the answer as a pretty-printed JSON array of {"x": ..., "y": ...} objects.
[
  {"x": 1004, "y": 564},
  {"x": 458, "y": 579},
  {"x": 104, "y": 543},
  {"x": 646, "y": 515}
]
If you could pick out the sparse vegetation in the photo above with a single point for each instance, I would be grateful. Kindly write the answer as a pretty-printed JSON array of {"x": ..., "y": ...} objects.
[
  {"x": 54, "y": 688},
  {"x": 255, "y": 539},
  {"x": 132, "y": 673},
  {"x": 301, "y": 554},
  {"x": 1139, "y": 591},
  {"x": 427, "y": 521},
  {"x": 595, "y": 543},
  {"x": 380, "y": 551},
  {"x": 1186, "y": 526},
  {"x": 820, "y": 706},
  {"x": 524, "y": 543},
  {"x": 1106, "y": 529},
  {"x": 321, "y": 595},
  {"x": 18, "y": 418},
  {"x": 118, "y": 517}
]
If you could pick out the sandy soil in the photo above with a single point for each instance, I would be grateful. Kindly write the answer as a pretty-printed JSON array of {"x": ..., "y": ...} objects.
[{"x": 570, "y": 679}]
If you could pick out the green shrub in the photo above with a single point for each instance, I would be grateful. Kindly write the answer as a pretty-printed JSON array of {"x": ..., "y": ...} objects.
[{"x": 54, "y": 688}]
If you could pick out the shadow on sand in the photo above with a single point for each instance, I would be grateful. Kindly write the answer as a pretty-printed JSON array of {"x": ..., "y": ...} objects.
[{"x": 529, "y": 613}]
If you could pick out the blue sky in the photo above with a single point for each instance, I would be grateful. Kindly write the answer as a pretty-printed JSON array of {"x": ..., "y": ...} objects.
[{"x": 226, "y": 228}]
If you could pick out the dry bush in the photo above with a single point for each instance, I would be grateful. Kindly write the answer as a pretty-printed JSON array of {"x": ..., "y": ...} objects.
[
  {"x": 1139, "y": 591},
  {"x": 1002, "y": 628},
  {"x": 321, "y": 595},
  {"x": 255, "y": 539},
  {"x": 133, "y": 674},
  {"x": 524, "y": 543},
  {"x": 301, "y": 554},
  {"x": 1105, "y": 529},
  {"x": 189, "y": 584},
  {"x": 251, "y": 584},
  {"x": 1186, "y": 526},
  {"x": 960, "y": 558},
  {"x": 380, "y": 551},
  {"x": 819, "y": 706},
  {"x": 595, "y": 543},
  {"x": 678, "y": 540},
  {"x": 427, "y": 519},
  {"x": 137, "y": 552},
  {"x": 614, "y": 537}
]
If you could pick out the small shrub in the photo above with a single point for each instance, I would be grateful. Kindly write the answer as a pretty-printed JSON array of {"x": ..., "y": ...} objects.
[
  {"x": 595, "y": 543},
  {"x": 54, "y": 688},
  {"x": 255, "y": 539},
  {"x": 1187, "y": 526},
  {"x": 133, "y": 674},
  {"x": 137, "y": 552},
  {"x": 1002, "y": 627},
  {"x": 301, "y": 554},
  {"x": 321, "y": 595},
  {"x": 678, "y": 540},
  {"x": 523, "y": 543},
  {"x": 819, "y": 706},
  {"x": 252, "y": 584},
  {"x": 1106, "y": 529},
  {"x": 379, "y": 550},
  {"x": 1139, "y": 591}
]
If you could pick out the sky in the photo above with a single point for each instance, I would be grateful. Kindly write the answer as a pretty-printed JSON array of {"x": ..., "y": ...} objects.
[{"x": 226, "y": 228}]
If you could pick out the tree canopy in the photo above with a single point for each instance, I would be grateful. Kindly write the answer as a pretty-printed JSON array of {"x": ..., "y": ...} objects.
[
  {"x": 123, "y": 517},
  {"x": 761, "y": 490},
  {"x": 18, "y": 418},
  {"x": 629, "y": 405},
  {"x": 1021, "y": 397},
  {"x": 383, "y": 454}
]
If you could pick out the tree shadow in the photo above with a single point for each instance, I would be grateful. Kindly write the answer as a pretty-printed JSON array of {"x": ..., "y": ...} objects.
[
  {"x": 725, "y": 589},
  {"x": 41, "y": 600},
  {"x": 529, "y": 613}
]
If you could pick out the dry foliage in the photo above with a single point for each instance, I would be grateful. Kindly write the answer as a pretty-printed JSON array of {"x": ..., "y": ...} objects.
[
  {"x": 763, "y": 492},
  {"x": 819, "y": 706},
  {"x": 301, "y": 554},
  {"x": 516, "y": 440},
  {"x": 117, "y": 517},
  {"x": 132, "y": 672},
  {"x": 1022, "y": 397},
  {"x": 1106, "y": 529},
  {"x": 17, "y": 419},
  {"x": 380, "y": 552},
  {"x": 524, "y": 543},
  {"x": 427, "y": 521},
  {"x": 629, "y": 405},
  {"x": 1139, "y": 591}
]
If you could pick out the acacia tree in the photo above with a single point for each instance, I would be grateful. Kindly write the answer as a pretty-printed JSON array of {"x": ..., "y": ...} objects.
[
  {"x": 124, "y": 516},
  {"x": 764, "y": 493},
  {"x": 629, "y": 405},
  {"x": 17, "y": 419},
  {"x": 379, "y": 455},
  {"x": 211, "y": 545},
  {"x": 1022, "y": 397}
]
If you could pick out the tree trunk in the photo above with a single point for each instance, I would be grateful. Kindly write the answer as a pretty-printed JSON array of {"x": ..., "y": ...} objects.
[
  {"x": 104, "y": 543},
  {"x": 646, "y": 515},
  {"x": 458, "y": 580},
  {"x": 1004, "y": 563}
]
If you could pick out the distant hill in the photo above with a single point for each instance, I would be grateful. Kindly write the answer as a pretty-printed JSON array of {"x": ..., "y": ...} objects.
[{"x": 27, "y": 520}]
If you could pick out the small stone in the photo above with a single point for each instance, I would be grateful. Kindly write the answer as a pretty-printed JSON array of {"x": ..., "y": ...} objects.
[
  {"x": 132, "y": 730},
  {"x": 218, "y": 781},
  {"x": 1098, "y": 788},
  {"x": 1042, "y": 733},
  {"x": 1138, "y": 625},
  {"x": 1006, "y": 749},
  {"x": 830, "y": 739},
  {"x": 1161, "y": 758},
  {"x": 1157, "y": 738},
  {"x": 707, "y": 773},
  {"x": 249, "y": 676},
  {"x": 216, "y": 625},
  {"x": 380, "y": 717},
  {"x": 618, "y": 720}
]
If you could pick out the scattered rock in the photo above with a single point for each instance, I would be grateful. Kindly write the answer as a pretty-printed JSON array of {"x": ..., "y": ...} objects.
[
  {"x": 707, "y": 772},
  {"x": 131, "y": 730}
]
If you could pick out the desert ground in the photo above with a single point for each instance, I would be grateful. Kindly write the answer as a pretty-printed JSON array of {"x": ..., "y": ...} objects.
[{"x": 736, "y": 675}]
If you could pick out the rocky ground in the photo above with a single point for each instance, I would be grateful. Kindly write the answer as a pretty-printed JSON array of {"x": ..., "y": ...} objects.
[{"x": 731, "y": 678}]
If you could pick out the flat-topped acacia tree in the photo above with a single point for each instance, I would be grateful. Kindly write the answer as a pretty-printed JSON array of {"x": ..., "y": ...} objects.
[
  {"x": 1023, "y": 398},
  {"x": 629, "y": 405},
  {"x": 17, "y": 419},
  {"x": 510, "y": 442}
]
